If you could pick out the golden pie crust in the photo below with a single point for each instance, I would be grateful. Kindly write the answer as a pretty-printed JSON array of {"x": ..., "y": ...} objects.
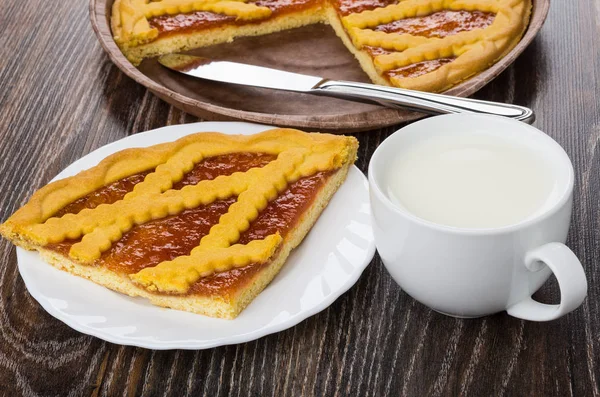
[
  {"x": 390, "y": 38},
  {"x": 91, "y": 232}
]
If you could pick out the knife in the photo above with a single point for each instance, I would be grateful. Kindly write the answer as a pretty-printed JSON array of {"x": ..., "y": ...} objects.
[{"x": 258, "y": 76}]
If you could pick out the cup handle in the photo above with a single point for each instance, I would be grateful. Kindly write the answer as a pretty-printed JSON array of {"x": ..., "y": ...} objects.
[{"x": 571, "y": 281}]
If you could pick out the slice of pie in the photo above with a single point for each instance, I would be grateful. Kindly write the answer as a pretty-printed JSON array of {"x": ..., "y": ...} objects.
[
  {"x": 426, "y": 45},
  {"x": 201, "y": 224}
]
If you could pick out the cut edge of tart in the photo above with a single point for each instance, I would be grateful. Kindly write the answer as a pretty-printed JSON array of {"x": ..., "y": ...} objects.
[
  {"x": 365, "y": 60},
  {"x": 238, "y": 272},
  {"x": 184, "y": 41}
]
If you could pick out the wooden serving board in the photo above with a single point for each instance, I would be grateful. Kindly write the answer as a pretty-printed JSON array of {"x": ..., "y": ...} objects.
[{"x": 314, "y": 50}]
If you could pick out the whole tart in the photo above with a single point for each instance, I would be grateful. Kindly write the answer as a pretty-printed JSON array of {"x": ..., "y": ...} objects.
[
  {"x": 201, "y": 224},
  {"x": 427, "y": 45}
]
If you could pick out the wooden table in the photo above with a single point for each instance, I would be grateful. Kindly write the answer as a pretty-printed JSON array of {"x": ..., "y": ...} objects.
[{"x": 60, "y": 98}]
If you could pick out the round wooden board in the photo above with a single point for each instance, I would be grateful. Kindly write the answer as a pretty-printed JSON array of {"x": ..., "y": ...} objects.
[{"x": 314, "y": 50}]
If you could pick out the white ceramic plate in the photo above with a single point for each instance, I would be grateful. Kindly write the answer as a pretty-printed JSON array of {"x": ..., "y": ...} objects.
[{"x": 328, "y": 262}]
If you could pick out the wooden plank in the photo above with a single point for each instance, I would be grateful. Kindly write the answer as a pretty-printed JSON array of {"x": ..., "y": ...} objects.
[{"x": 61, "y": 97}]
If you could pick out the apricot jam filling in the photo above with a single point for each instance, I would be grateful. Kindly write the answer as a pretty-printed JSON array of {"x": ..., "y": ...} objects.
[
  {"x": 347, "y": 7},
  {"x": 412, "y": 70},
  {"x": 225, "y": 164},
  {"x": 199, "y": 20},
  {"x": 105, "y": 195},
  {"x": 418, "y": 69},
  {"x": 440, "y": 24},
  {"x": 165, "y": 239},
  {"x": 160, "y": 240},
  {"x": 376, "y": 51}
]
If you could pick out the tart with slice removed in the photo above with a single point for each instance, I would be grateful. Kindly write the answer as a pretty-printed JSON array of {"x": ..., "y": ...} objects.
[
  {"x": 202, "y": 224},
  {"x": 427, "y": 45}
]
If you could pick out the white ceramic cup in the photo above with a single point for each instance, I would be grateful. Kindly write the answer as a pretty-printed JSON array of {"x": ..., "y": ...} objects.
[{"x": 475, "y": 272}]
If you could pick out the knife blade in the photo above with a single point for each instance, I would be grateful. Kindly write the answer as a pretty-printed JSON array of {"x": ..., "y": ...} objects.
[
  {"x": 259, "y": 76},
  {"x": 239, "y": 73}
]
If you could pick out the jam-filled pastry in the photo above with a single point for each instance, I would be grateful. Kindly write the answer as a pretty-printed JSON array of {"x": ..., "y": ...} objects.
[
  {"x": 201, "y": 224},
  {"x": 427, "y": 45}
]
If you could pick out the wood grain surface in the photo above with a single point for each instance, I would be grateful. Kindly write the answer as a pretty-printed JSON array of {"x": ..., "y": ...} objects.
[
  {"x": 314, "y": 50},
  {"x": 61, "y": 97}
]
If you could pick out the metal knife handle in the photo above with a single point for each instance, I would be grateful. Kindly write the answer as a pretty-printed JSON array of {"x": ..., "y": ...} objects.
[{"x": 420, "y": 101}]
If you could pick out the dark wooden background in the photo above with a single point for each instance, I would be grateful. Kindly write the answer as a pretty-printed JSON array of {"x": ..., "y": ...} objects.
[{"x": 60, "y": 98}]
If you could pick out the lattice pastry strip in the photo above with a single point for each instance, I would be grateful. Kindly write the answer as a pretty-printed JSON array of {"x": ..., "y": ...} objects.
[
  {"x": 415, "y": 8},
  {"x": 177, "y": 275}
]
